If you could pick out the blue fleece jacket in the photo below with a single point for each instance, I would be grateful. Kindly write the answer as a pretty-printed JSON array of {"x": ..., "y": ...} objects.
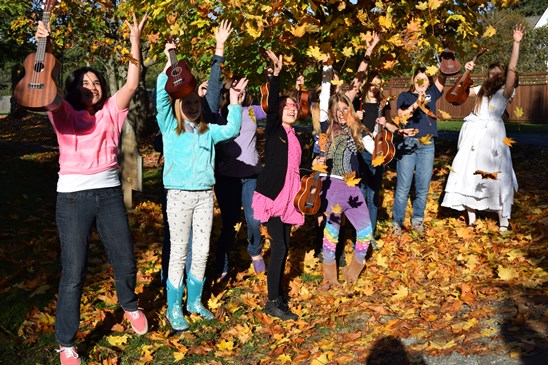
[{"x": 189, "y": 158}]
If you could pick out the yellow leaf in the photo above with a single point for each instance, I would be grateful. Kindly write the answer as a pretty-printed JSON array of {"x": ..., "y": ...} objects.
[
  {"x": 518, "y": 112},
  {"x": 431, "y": 70},
  {"x": 323, "y": 359},
  {"x": 508, "y": 141},
  {"x": 320, "y": 167},
  {"x": 350, "y": 178},
  {"x": 422, "y": 5},
  {"x": 215, "y": 301},
  {"x": 251, "y": 113},
  {"x": 426, "y": 140},
  {"x": 382, "y": 261},
  {"x": 316, "y": 53},
  {"x": 179, "y": 355},
  {"x": 252, "y": 31},
  {"x": 117, "y": 341},
  {"x": 377, "y": 161},
  {"x": 237, "y": 227},
  {"x": 389, "y": 65},
  {"x": 400, "y": 121},
  {"x": 434, "y": 4},
  {"x": 283, "y": 359},
  {"x": 225, "y": 345},
  {"x": 444, "y": 114},
  {"x": 489, "y": 31},
  {"x": 299, "y": 31},
  {"x": 337, "y": 209},
  {"x": 401, "y": 293},
  {"x": 348, "y": 51},
  {"x": 506, "y": 273},
  {"x": 450, "y": 168},
  {"x": 337, "y": 82}
]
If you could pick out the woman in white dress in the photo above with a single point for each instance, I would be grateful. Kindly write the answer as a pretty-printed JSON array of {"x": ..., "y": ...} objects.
[{"x": 481, "y": 147}]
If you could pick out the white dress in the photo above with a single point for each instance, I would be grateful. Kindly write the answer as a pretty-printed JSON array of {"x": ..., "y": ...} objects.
[{"x": 481, "y": 147}]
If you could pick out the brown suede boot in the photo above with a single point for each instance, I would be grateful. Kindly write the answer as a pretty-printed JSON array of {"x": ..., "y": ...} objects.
[
  {"x": 352, "y": 271},
  {"x": 330, "y": 273}
]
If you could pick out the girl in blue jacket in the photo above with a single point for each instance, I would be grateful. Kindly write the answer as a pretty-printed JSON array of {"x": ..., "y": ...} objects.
[{"x": 189, "y": 155}]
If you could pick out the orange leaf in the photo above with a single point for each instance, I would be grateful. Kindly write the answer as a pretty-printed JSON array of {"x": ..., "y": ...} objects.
[
  {"x": 487, "y": 175},
  {"x": 444, "y": 114},
  {"x": 377, "y": 161},
  {"x": 466, "y": 294},
  {"x": 400, "y": 121},
  {"x": 350, "y": 178},
  {"x": 508, "y": 141},
  {"x": 264, "y": 232},
  {"x": 320, "y": 167},
  {"x": 336, "y": 209},
  {"x": 426, "y": 140}
]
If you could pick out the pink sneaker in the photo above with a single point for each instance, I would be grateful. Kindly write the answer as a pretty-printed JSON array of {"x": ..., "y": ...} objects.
[
  {"x": 68, "y": 356},
  {"x": 138, "y": 321}
]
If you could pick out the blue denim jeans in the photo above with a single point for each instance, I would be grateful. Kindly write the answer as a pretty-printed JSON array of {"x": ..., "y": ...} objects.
[
  {"x": 232, "y": 194},
  {"x": 415, "y": 160},
  {"x": 76, "y": 214},
  {"x": 370, "y": 186}
]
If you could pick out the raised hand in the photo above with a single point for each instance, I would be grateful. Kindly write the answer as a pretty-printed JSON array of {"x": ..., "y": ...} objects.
[
  {"x": 136, "y": 28},
  {"x": 299, "y": 83},
  {"x": 469, "y": 66},
  {"x": 223, "y": 32},
  {"x": 519, "y": 32},
  {"x": 278, "y": 62},
  {"x": 237, "y": 91},
  {"x": 370, "y": 45},
  {"x": 202, "y": 89}
]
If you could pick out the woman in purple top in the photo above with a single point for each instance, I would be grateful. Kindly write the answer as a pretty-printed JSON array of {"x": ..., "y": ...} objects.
[{"x": 237, "y": 168}]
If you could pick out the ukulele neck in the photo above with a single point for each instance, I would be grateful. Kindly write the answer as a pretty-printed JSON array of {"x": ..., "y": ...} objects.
[
  {"x": 172, "y": 57},
  {"x": 42, "y": 42}
]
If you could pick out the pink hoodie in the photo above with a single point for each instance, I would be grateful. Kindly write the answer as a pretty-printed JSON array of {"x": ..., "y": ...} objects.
[{"x": 88, "y": 144}]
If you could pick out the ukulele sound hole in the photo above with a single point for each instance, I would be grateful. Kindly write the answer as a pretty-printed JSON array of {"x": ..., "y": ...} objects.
[
  {"x": 176, "y": 71},
  {"x": 38, "y": 67}
]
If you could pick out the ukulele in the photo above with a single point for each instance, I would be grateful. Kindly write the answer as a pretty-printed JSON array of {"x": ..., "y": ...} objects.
[
  {"x": 265, "y": 89},
  {"x": 449, "y": 64},
  {"x": 307, "y": 200},
  {"x": 37, "y": 90},
  {"x": 180, "y": 81},
  {"x": 459, "y": 92},
  {"x": 384, "y": 145}
]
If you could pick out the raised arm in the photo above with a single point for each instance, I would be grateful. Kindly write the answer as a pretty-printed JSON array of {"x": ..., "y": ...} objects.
[
  {"x": 127, "y": 91},
  {"x": 357, "y": 82},
  {"x": 519, "y": 31},
  {"x": 273, "y": 113}
]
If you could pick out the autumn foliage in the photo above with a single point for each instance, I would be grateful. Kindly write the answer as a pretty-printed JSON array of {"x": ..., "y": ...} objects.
[{"x": 470, "y": 290}]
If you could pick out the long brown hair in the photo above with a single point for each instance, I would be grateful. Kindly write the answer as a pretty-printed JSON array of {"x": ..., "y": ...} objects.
[
  {"x": 356, "y": 128},
  {"x": 365, "y": 90},
  {"x": 491, "y": 85}
]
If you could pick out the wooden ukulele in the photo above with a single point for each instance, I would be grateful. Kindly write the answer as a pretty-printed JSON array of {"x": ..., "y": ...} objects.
[
  {"x": 307, "y": 200},
  {"x": 180, "y": 81},
  {"x": 449, "y": 64},
  {"x": 384, "y": 145},
  {"x": 37, "y": 90},
  {"x": 265, "y": 89},
  {"x": 459, "y": 92}
]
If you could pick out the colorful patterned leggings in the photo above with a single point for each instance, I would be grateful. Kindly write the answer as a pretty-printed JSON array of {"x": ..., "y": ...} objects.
[{"x": 339, "y": 198}]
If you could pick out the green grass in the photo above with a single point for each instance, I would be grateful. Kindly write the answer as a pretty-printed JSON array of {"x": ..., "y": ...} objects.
[{"x": 455, "y": 125}]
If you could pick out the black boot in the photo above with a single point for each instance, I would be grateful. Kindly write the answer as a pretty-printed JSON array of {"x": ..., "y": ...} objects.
[{"x": 278, "y": 308}]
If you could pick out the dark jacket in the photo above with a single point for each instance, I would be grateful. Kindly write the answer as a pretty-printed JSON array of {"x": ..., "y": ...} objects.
[{"x": 272, "y": 178}]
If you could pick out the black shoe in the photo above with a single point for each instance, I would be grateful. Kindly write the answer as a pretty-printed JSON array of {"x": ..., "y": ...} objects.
[{"x": 279, "y": 308}]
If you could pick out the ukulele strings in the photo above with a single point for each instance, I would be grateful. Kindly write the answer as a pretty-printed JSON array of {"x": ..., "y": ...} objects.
[{"x": 40, "y": 52}]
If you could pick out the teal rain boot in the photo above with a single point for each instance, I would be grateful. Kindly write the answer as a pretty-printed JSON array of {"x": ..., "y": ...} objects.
[
  {"x": 174, "y": 311},
  {"x": 194, "y": 300}
]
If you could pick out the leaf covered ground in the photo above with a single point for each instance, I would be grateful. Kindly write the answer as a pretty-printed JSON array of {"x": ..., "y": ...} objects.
[{"x": 455, "y": 289}]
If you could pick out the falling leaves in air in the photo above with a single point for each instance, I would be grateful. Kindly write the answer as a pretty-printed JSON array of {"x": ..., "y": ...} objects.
[
  {"x": 350, "y": 178},
  {"x": 426, "y": 139},
  {"x": 337, "y": 82},
  {"x": 319, "y": 167},
  {"x": 508, "y": 141},
  {"x": 252, "y": 115},
  {"x": 487, "y": 175},
  {"x": 518, "y": 111},
  {"x": 444, "y": 115},
  {"x": 401, "y": 120},
  {"x": 337, "y": 209},
  {"x": 489, "y": 31},
  {"x": 264, "y": 232},
  {"x": 431, "y": 70},
  {"x": 315, "y": 52},
  {"x": 377, "y": 161}
]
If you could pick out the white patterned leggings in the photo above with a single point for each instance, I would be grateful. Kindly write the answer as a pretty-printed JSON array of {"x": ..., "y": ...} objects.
[{"x": 185, "y": 208}]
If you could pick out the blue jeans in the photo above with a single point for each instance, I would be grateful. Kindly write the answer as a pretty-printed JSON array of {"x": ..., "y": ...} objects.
[
  {"x": 76, "y": 214},
  {"x": 232, "y": 194},
  {"x": 415, "y": 160},
  {"x": 370, "y": 186}
]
